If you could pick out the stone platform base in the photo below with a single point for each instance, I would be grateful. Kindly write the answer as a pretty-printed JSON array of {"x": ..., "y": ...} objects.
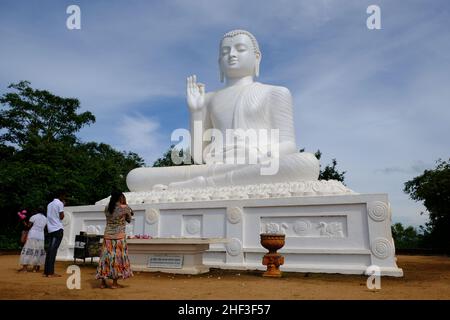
[
  {"x": 329, "y": 233},
  {"x": 173, "y": 255}
]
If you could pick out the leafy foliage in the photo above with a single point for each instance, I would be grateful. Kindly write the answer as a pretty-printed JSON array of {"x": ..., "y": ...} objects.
[
  {"x": 40, "y": 154},
  {"x": 330, "y": 172},
  {"x": 167, "y": 158},
  {"x": 433, "y": 188},
  {"x": 38, "y": 115},
  {"x": 406, "y": 238}
]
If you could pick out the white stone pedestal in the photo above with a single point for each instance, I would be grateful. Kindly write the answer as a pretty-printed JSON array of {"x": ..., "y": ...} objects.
[
  {"x": 344, "y": 233},
  {"x": 188, "y": 250}
]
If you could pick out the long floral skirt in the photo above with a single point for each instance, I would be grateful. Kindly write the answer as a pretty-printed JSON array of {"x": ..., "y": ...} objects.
[
  {"x": 33, "y": 253},
  {"x": 114, "y": 262}
]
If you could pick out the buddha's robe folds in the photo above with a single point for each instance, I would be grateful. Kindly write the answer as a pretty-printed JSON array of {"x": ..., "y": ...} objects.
[{"x": 256, "y": 106}]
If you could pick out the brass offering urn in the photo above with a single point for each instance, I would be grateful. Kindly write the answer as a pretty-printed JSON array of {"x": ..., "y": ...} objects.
[{"x": 273, "y": 260}]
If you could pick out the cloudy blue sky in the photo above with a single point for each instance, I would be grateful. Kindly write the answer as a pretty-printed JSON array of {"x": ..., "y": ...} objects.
[{"x": 376, "y": 100}]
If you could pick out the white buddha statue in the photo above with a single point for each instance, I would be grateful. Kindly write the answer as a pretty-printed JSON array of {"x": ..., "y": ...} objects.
[{"x": 241, "y": 105}]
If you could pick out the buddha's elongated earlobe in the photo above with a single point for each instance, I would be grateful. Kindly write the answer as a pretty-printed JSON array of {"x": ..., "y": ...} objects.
[
  {"x": 257, "y": 62},
  {"x": 222, "y": 76}
]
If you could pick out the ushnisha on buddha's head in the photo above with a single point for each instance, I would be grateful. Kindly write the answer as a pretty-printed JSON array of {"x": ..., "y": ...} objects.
[{"x": 239, "y": 55}]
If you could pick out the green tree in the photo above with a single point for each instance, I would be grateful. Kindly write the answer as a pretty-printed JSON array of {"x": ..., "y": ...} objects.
[
  {"x": 330, "y": 172},
  {"x": 167, "y": 158},
  {"x": 406, "y": 238},
  {"x": 40, "y": 154},
  {"x": 433, "y": 188},
  {"x": 36, "y": 116}
]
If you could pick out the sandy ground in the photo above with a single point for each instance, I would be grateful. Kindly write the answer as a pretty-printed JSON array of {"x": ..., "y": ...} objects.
[{"x": 426, "y": 277}]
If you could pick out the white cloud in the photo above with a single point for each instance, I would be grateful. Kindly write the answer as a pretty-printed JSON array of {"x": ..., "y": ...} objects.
[{"x": 141, "y": 135}]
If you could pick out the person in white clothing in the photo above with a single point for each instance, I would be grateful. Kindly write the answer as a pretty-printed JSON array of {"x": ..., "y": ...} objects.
[
  {"x": 33, "y": 252},
  {"x": 55, "y": 215}
]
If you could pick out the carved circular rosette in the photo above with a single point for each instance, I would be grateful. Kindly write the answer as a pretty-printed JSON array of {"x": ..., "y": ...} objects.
[
  {"x": 234, "y": 215},
  {"x": 151, "y": 215},
  {"x": 302, "y": 227},
  {"x": 378, "y": 210},
  {"x": 67, "y": 218},
  {"x": 234, "y": 247},
  {"x": 382, "y": 248},
  {"x": 193, "y": 226}
]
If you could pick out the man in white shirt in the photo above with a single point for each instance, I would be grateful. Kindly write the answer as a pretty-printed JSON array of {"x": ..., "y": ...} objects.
[{"x": 55, "y": 215}]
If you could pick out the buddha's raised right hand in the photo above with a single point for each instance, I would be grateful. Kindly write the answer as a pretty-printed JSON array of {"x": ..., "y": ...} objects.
[{"x": 195, "y": 93}]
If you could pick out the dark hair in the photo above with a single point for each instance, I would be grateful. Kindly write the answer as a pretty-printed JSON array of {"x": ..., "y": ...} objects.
[
  {"x": 115, "y": 196},
  {"x": 39, "y": 209},
  {"x": 60, "y": 193}
]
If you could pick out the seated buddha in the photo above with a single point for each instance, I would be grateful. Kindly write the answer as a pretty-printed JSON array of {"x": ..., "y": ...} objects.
[{"x": 243, "y": 105}]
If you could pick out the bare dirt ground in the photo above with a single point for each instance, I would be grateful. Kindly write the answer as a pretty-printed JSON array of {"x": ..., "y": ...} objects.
[{"x": 425, "y": 277}]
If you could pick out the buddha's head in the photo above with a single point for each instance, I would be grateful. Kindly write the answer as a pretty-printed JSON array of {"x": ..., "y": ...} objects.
[{"x": 239, "y": 55}]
